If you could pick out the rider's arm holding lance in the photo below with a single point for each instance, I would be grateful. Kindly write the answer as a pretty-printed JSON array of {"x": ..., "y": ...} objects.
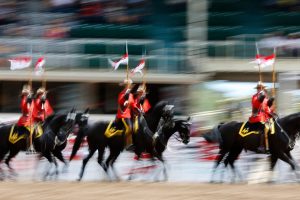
[
  {"x": 261, "y": 96},
  {"x": 271, "y": 110},
  {"x": 29, "y": 98},
  {"x": 125, "y": 98}
]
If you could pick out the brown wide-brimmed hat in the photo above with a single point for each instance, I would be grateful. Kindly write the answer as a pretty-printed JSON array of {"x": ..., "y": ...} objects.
[
  {"x": 141, "y": 88},
  {"x": 260, "y": 85},
  {"x": 126, "y": 82},
  {"x": 41, "y": 90},
  {"x": 26, "y": 89}
]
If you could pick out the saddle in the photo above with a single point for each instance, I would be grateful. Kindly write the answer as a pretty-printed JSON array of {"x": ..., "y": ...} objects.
[
  {"x": 18, "y": 133},
  {"x": 38, "y": 130},
  {"x": 135, "y": 125},
  {"x": 248, "y": 128},
  {"x": 112, "y": 130}
]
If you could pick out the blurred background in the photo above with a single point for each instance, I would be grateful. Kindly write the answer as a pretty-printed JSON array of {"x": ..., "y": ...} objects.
[{"x": 197, "y": 52}]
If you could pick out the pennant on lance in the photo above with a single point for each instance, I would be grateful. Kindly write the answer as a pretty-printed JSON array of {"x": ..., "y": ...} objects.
[
  {"x": 20, "y": 62},
  {"x": 39, "y": 66},
  {"x": 139, "y": 68},
  {"x": 264, "y": 61},
  {"x": 122, "y": 61}
]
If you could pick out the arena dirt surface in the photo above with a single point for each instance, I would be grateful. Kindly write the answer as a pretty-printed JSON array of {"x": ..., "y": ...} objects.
[{"x": 137, "y": 190}]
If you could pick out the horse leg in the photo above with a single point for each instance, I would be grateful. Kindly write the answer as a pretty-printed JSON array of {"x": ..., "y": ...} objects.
[
  {"x": 284, "y": 157},
  {"x": 49, "y": 157},
  {"x": 2, "y": 174},
  {"x": 166, "y": 177},
  {"x": 273, "y": 159},
  {"x": 113, "y": 155},
  {"x": 220, "y": 157},
  {"x": 134, "y": 164},
  {"x": 164, "y": 169},
  {"x": 11, "y": 155},
  {"x": 56, "y": 172},
  {"x": 113, "y": 160},
  {"x": 85, "y": 161},
  {"x": 288, "y": 153},
  {"x": 101, "y": 151},
  {"x": 58, "y": 154},
  {"x": 36, "y": 165},
  {"x": 230, "y": 159}
]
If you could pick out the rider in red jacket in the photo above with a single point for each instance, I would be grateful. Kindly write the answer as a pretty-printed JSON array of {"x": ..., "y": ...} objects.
[
  {"x": 42, "y": 107},
  {"x": 262, "y": 113},
  {"x": 25, "y": 122},
  {"x": 141, "y": 105},
  {"x": 26, "y": 108},
  {"x": 123, "y": 118}
]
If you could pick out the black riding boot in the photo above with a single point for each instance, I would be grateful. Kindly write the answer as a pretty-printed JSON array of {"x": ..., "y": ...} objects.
[{"x": 261, "y": 148}]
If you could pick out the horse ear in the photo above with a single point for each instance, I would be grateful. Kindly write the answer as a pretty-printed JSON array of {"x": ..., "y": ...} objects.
[
  {"x": 188, "y": 121},
  {"x": 87, "y": 110}
]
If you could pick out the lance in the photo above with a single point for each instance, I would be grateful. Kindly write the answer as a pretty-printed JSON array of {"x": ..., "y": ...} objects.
[
  {"x": 44, "y": 79},
  {"x": 274, "y": 74},
  {"x": 274, "y": 79},
  {"x": 144, "y": 74},
  {"x": 127, "y": 67},
  {"x": 31, "y": 107},
  {"x": 29, "y": 69},
  {"x": 259, "y": 68}
]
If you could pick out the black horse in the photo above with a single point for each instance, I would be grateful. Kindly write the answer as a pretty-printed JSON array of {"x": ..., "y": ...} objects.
[
  {"x": 98, "y": 139},
  {"x": 155, "y": 145},
  {"x": 48, "y": 140},
  {"x": 231, "y": 142},
  {"x": 54, "y": 139},
  {"x": 81, "y": 121}
]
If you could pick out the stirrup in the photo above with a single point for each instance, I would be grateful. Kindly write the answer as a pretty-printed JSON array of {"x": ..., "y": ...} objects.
[{"x": 262, "y": 150}]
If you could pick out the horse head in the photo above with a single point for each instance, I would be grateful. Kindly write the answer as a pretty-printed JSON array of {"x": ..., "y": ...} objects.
[
  {"x": 290, "y": 124},
  {"x": 153, "y": 116},
  {"x": 66, "y": 127},
  {"x": 70, "y": 117},
  {"x": 168, "y": 111},
  {"x": 81, "y": 118},
  {"x": 183, "y": 127}
]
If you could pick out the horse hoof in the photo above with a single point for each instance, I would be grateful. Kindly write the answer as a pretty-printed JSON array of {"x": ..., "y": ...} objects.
[{"x": 64, "y": 170}]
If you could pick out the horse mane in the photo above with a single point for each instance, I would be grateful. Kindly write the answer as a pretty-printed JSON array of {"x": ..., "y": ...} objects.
[
  {"x": 290, "y": 123},
  {"x": 158, "y": 107},
  {"x": 52, "y": 119},
  {"x": 49, "y": 118},
  {"x": 154, "y": 114},
  {"x": 290, "y": 117}
]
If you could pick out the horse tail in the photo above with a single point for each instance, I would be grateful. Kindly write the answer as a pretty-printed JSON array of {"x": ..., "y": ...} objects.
[
  {"x": 214, "y": 135},
  {"x": 77, "y": 143}
]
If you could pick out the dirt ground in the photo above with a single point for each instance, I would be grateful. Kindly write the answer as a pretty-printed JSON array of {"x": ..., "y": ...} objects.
[{"x": 140, "y": 191}]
